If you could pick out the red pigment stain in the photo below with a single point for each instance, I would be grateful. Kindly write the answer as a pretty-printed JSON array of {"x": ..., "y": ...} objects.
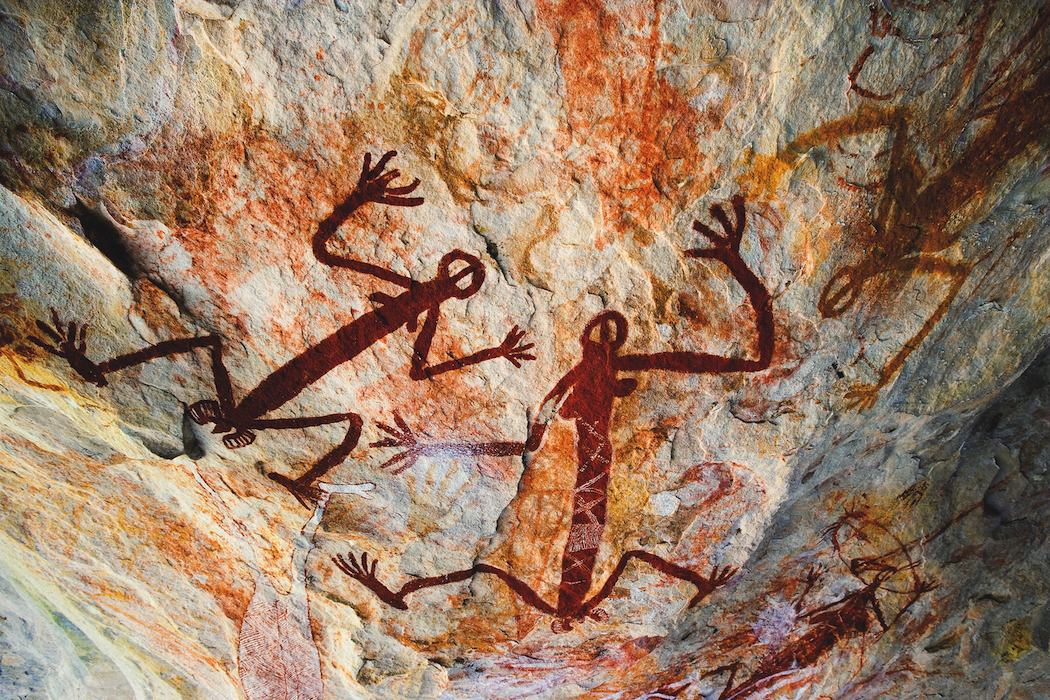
[{"x": 641, "y": 131}]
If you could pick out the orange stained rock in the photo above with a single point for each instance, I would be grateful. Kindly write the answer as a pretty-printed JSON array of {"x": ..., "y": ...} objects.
[
  {"x": 639, "y": 131},
  {"x": 766, "y": 172}
]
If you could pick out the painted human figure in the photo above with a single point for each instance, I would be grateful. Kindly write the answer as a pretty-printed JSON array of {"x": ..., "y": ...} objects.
[
  {"x": 460, "y": 275},
  {"x": 826, "y": 626},
  {"x": 921, "y": 217},
  {"x": 586, "y": 396}
]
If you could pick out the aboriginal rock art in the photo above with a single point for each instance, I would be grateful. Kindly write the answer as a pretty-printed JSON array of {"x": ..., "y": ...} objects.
[
  {"x": 891, "y": 24},
  {"x": 277, "y": 657},
  {"x": 7, "y": 340},
  {"x": 402, "y": 436},
  {"x": 617, "y": 90},
  {"x": 904, "y": 33},
  {"x": 919, "y": 218},
  {"x": 585, "y": 396},
  {"x": 826, "y": 627},
  {"x": 460, "y": 275}
]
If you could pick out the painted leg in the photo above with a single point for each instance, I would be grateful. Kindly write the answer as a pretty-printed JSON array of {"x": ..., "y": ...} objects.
[
  {"x": 70, "y": 343},
  {"x": 72, "y": 346},
  {"x": 304, "y": 488},
  {"x": 703, "y": 585},
  {"x": 365, "y": 572},
  {"x": 863, "y": 397}
]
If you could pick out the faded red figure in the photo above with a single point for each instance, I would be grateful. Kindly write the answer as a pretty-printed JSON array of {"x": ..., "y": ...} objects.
[
  {"x": 585, "y": 396},
  {"x": 923, "y": 211},
  {"x": 839, "y": 621},
  {"x": 460, "y": 275}
]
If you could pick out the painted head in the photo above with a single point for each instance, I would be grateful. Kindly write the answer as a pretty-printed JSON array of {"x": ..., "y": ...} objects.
[
  {"x": 603, "y": 337},
  {"x": 841, "y": 291},
  {"x": 605, "y": 333},
  {"x": 469, "y": 268}
]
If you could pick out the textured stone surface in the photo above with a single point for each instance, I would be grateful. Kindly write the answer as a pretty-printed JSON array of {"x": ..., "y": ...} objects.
[{"x": 854, "y": 511}]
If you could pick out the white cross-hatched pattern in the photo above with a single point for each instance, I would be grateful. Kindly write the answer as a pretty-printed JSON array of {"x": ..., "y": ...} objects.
[
  {"x": 584, "y": 536},
  {"x": 585, "y": 505}
]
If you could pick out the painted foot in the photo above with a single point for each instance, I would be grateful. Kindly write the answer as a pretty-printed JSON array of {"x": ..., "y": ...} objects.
[
  {"x": 72, "y": 346},
  {"x": 205, "y": 412},
  {"x": 561, "y": 625},
  {"x": 862, "y": 397},
  {"x": 238, "y": 438},
  {"x": 598, "y": 615}
]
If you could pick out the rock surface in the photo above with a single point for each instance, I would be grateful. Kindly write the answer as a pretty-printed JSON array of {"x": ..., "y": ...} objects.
[{"x": 707, "y": 358}]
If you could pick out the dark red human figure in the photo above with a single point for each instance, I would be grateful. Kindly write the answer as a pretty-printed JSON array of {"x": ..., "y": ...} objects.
[
  {"x": 585, "y": 395},
  {"x": 460, "y": 275}
]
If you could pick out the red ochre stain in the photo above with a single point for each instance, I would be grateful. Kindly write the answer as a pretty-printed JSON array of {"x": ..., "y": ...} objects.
[{"x": 640, "y": 130}]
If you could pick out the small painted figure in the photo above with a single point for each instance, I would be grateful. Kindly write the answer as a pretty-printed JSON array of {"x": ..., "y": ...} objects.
[
  {"x": 460, "y": 275},
  {"x": 585, "y": 396},
  {"x": 848, "y": 617}
]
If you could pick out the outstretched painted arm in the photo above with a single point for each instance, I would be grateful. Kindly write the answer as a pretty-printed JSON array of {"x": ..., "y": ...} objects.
[
  {"x": 373, "y": 186},
  {"x": 403, "y": 436},
  {"x": 70, "y": 343},
  {"x": 511, "y": 348},
  {"x": 725, "y": 249}
]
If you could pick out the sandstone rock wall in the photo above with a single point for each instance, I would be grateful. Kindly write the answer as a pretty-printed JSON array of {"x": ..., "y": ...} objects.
[{"x": 707, "y": 357}]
